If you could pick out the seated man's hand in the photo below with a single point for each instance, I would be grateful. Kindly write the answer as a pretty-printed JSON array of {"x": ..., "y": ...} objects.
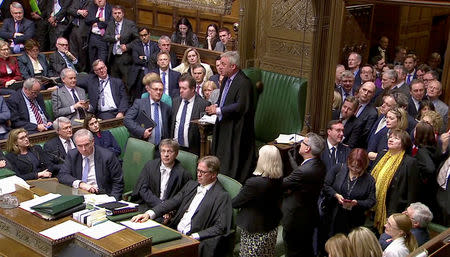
[
  {"x": 167, "y": 218},
  {"x": 44, "y": 174},
  {"x": 41, "y": 127},
  {"x": 119, "y": 115},
  {"x": 87, "y": 187},
  {"x": 140, "y": 218}
]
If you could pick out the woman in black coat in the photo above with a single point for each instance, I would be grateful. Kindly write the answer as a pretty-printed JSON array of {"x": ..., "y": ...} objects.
[
  {"x": 349, "y": 192},
  {"x": 259, "y": 202},
  {"x": 29, "y": 162},
  {"x": 102, "y": 138}
]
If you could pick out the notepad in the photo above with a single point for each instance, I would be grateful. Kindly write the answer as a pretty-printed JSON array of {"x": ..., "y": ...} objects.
[
  {"x": 140, "y": 225},
  {"x": 102, "y": 230},
  {"x": 63, "y": 230}
]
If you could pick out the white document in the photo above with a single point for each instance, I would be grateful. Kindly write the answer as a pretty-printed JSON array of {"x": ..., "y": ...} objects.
[
  {"x": 289, "y": 139},
  {"x": 208, "y": 119},
  {"x": 103, "y": 229},
  {"x": 8, "y": 185},
  {"x": 28, "y": 204},
  {"x": 64, "y": 229},
  {"x": 98, "y": 199},
  {"x": 140, "y": 225}
]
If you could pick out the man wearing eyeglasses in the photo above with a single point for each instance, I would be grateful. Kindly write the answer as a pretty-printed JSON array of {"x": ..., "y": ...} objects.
[
  {"x": 162, "y": 178},
  {"x": 28, "y": 109},
  {"x": 62, "y": 58},
  {"x": 17, "y": 29},
  {"x": 303, "y": 185},
  {"x": 202, "y": 208}
]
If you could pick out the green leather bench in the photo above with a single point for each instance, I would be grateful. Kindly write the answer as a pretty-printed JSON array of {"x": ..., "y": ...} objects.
[
  {"x": 280, "y": 106},
  {"x": 49, "y": 109}
]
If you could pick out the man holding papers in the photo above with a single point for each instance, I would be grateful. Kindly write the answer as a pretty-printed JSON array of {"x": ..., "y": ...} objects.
[
  {"x": 92, "y": 168},
  {"x": 202, "y": 209}
]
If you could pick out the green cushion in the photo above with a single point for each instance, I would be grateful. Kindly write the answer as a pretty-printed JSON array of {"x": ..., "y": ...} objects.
[
  {"x": 189, "y": 162},
  {"x": 165, "y": 98},
  {"x": 233, "y": 187},
  {"x": 49, "y": 109},
  {"x": 121, "y": 135},
  {"x": 159, "y": 234},
  {"x": 282, "y": 96},
  {"x": 137, "y": 154},
  {"x": 437, "y": 228}
]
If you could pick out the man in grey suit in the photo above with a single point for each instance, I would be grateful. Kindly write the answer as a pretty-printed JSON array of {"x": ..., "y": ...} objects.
[
  {"x": 185, "y": 108},
  {"x": 69, "y": 100},
  {"x": 434, "y": 90},
  {"x": 120, "y": 33},
  {"x": 92, "y": 168}
]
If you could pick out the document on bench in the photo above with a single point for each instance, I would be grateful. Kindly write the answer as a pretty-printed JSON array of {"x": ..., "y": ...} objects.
[
  {"x": 8, "y": 184},
  {"x": 63, "y": 230},
  {"x": 103, "y": 229},
  {"x": 289, "y": 139},
  {"x": 140, "y": 225}
]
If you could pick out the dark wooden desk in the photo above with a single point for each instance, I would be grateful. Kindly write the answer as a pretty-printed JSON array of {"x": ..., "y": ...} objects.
[
  {"x": 205, "y": 130},
  {"x": 21, "y": 229}
]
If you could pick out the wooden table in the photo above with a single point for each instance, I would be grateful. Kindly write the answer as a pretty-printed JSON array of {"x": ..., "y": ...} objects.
[
  {"x": 205, "y": 130},
  {"x": 19, "y": 233}
]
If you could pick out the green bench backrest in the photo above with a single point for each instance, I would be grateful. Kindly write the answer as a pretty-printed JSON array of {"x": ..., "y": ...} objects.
[
  {"x": 189, "y": 162},
  {"x": 137, "y": 154},
  {"x": 49, "y": 109},
  {"x": 121, "y": 135}
]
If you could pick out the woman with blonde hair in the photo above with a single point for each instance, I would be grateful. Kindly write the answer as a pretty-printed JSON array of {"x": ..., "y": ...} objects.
[
  {"x": 147, "y": 80},
  {"x": 259, "y": 202},
  {"x": 398, "y": 226},
  {"x": 434, "y": 119},
  {"x": 207, "y": 89},
  {"x": 364, "y": 243},
  {"x": 339, "y": 246},
  {"x": 192, "y": 56}
]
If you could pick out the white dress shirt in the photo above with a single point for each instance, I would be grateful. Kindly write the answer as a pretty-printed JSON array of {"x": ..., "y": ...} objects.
[
  {"x": 165, "y": 175},
  {"x": 109, "y": 100},
  {"x": 91, "y": 179},
  {"x": 396, "y": 249}
]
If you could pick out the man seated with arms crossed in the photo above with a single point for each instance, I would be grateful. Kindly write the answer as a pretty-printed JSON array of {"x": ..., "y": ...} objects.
[
  {"x": 92, "y": 168},
  {"x": 161, "y": 178},
  {"x": 202, "y": 208}
]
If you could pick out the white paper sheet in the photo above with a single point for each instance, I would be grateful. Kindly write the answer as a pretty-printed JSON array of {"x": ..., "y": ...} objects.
[
  {"x": 64, "y": 229},
  {"x": 103, "y": 229},
  {"x": 289, "y": 139},
  {"x": 98, "y": 199},
  {"x": 139, "y": 225},
  {"x": 8, "y": 185},
  {"x": 28, "y": 204},
  {"x": 209, "y": 119}
]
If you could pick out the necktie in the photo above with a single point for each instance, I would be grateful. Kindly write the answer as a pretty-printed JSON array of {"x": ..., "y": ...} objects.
[
  {"x": 79, "y": 110},
  {"x": 164, "y": 180},
  {"x": 358, "y": 111},
  {"x": 163, "y": 78},
  {"x": 443, "y": 174},
  {"x": 36, "y": 113},
  {"x": 333, "y": 155},
  {"x": 408, "y": 81},
  {"x": 117, "y": 28},
  {"x": 102, "y": 94},
  {"x": 147, "y": 50},
  {"x": 100, "y": 15},
  {"x": 225, "y": 92},
  {"x": 68, "y": 145},
  {"x": 85, "y": 170},
  {"x": 156, "y": 129},
  {"x": 68, "y": 62},
  {"x": 116, "y": 47},
  {"x": 17, "y": 26},
  {"x": 182, "y": 121}
]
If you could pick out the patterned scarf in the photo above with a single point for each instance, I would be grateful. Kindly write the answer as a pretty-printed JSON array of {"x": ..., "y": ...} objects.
[{"x": 383, "y": 173}]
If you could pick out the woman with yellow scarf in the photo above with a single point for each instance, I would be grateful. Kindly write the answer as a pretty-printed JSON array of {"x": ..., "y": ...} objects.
[{"x": 396, "y": 177}]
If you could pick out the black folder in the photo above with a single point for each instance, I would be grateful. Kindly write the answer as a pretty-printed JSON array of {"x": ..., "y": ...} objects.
[{"x": 145, "y": 121}]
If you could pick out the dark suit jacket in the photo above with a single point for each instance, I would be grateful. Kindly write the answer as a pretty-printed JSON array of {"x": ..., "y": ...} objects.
[
  {"x": 259, "y": 203},
  {"x": 173, "y": 57},
  {"x": 211, "y": 220},
  {"x": 128, "y": 34},
  {"x": 4, "y": 10},
  {"x": 342, "y": 152},
  {"x": 143, "y": 105},
  {"x": 138, "y": 65},
  {"x": 91, "y": 84},
  {"x": 300, "y": 205},
  {"x": 234, "y": 136},
  {"x": 26, "y": 67},
  {"x": 24, "y": 168},
  {"x": 215, "y": 78},
  {"x": 367, "y": 118},
  {"x": 193, "y": 132},
  {"x": 107, "y": 171},
  {"x": 56, "y": 152},
  {"x": 19, "y": 111},
  {"x": 373, "y": 139},
  {"x": 107, "y": 141},
  {"x": 358, "y": 81},
  {"x": 412, "y": 108},
  {"x": 443, "y": 196},
  {"x": 57, "y": 64},
  {"x": 92, "y": 12},
  {"x": 352, "y": 132},
  {"x": 404, "y": 186},
  {"x": 174, "y": 76},
  {"x": 8, "y": 29},
  {"x": 148, "y": 187},
  {"x": 404, "y": 89}
]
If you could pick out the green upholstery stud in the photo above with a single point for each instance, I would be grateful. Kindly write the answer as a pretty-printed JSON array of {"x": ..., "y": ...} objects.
[{"x": 189, "y": 162}]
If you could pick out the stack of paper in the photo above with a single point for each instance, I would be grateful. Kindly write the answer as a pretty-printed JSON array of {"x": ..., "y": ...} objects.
[
  {"x": 140, "y": 225},
  {"x": 63, "y": 230},
  {"x": 102, "y": 230},
  {"x": 8, "y": 185},
  {"x": 289, "y": 139},
  {"x": 209, "y": 119}
]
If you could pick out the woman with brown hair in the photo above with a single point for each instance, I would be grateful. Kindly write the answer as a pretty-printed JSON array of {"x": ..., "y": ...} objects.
[
  {"x": 339, "y": 246},
  {"x": 28, "y": 161},
  {"x": 102, "y": 138},
  {"x": 184, "y": 34},
  {"x": 9, "y": 69},
  {"x": 191, "y": 56},
  {"x": 349, "y": 191},
  {"x": 212, "y": 37},
  {"x": 398, "y": 226},
  {"x": 396, "y": 178}
]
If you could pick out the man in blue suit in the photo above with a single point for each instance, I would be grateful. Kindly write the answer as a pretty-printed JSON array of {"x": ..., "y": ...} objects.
[
  {"x": 107, "y": 95},
  {"x": 152, "y": 108},
  {"x": 17, "y": 29},
  {"x": 334, "y": 152},
  {"x": 92, "y": 168},
  {"x": 168, "y": 76}
]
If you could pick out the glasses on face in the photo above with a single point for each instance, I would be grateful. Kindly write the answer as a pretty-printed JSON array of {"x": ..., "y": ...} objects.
[
  {"x": 202, "y": 172},
  {"x": 100, "y": 68},
  {"x": 303, "y": 142},
  {"x": 63, "y": 44},
  {"x": 5, "y": 49}
]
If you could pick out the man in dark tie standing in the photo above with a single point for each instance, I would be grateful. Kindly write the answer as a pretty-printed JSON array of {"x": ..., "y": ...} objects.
[
  {"x": 78, "y": 39},
  {"x": 234, "y": 137},
  {"x": 185, "y": 108},
  {"x": 198, "y": 72},
  {"x": 98, "y": 19},
  {"x": 17, "y": 29},
  {"x": 300, "y": 211},
  {"x": 168, "y": 76}
]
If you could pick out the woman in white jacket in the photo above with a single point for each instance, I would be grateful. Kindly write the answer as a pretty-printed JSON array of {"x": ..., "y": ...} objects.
[{"x": 398, "y": 226}]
